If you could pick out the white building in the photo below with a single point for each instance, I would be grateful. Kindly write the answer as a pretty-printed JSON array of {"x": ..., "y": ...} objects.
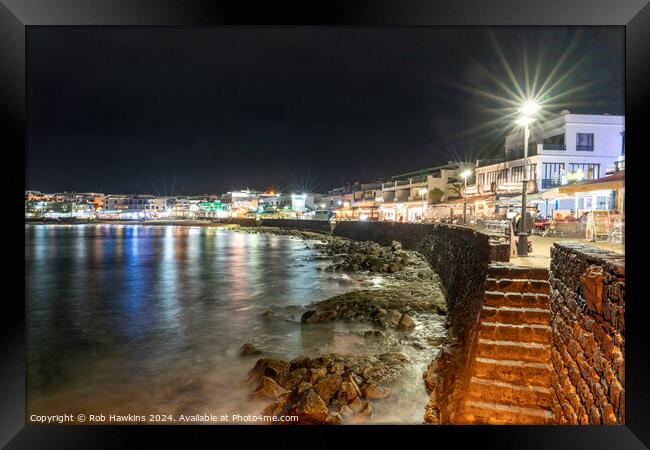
[
  {"x": 570, "y": 146},
  {"x": 406, "y": 197}
]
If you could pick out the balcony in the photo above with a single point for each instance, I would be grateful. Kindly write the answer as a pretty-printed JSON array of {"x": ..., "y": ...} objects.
[
  {"x": 422, "y": 179},
  {"x": 553, "y": 147},
  {"x": 489, "y": 162},
  {"x": 518, "y": 153},
  {"x": 548, "y": 183},
  {"x": 584, "y": 148}
]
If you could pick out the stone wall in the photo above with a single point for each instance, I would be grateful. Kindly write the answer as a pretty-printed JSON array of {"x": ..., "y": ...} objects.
[{"x": 588, "y": 331}]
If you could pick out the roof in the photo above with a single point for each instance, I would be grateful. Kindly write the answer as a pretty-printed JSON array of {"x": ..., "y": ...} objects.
[
  {"x": 426, "y": 171},
  {"x": 615, "y": 181}
]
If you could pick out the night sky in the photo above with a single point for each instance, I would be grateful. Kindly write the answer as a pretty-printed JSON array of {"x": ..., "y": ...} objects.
[{"x": 189, "y": 111}]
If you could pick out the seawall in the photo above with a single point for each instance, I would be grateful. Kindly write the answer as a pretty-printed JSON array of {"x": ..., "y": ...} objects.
[{"x": 588, "y": 334}]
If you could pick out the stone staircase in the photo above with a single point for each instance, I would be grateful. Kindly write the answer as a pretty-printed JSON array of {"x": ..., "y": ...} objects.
[{"x": 511, "y": 372}]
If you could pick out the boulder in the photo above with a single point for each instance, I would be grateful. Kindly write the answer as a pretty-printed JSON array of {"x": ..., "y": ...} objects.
[
  {"x": 318, "y": 317},
  {"x": 310, "y": 409},
  {"x": 329, "y": 386},
  {"x": 374, "y": 391},
  {"x": 348, "y": 391},
  {"x": 406, "y": 323},
  {"x": 269, "y": 389},
  {"x": 314, "y": 375},
  {"x": 396, "y": 246},
  {"x": 303, "y": 387},
  {"x": 293, "y": 378},
  {"x": 392, "y": 318},
  {"x": 272, "y": 368}
]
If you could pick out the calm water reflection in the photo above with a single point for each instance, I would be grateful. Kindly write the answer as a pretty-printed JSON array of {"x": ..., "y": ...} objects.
[{"x": 150, "y": 318}]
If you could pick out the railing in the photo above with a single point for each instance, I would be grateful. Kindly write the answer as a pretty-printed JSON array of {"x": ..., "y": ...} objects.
[
  {"x": 585, "y": 148},
  {"x": 519, "y": 153},
  {"x": 401, "y": 182},
  {"x": 388, "y": 184},
  {"x": 489, "y": 162},
  {"x": 421, "y": 179},
  {"x": 553, "y": 147},
  {"x": 548, "y": 183}
]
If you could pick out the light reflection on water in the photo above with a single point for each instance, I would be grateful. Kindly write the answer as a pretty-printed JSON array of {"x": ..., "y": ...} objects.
[
  {"x": 150, "y": 319},
  {"x": 117, "y": 309}
]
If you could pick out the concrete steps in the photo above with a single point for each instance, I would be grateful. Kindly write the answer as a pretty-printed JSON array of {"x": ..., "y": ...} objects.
[
  {"x": 515, "y": 332},
  {"x": 488, "y": 413},
  {"x": 513, "y": 350},
  {"x": 481, "y": 389},
  {"x": 511, "y": 371}
]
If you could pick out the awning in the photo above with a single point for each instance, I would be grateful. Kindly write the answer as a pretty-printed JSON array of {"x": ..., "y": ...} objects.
[{"x": 616, "y": 181}]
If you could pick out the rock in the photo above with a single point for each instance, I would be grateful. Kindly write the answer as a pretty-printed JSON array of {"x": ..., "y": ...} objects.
[
  {"x": 394, "y": 267},
  {"x": 346, "y": 412},
  {"x": 269, "y": 367},
  {"x": 310, "y": 409},
  {"x": 374, "y": 391},
  {"x": 314, "y": 375},
  {"x": 249, "y": 349},
  {"x": 593, "y": 282},
  {"x": 293, "y": 378},
  {"x": 318, "y": 317},
  {"x": 406, "y": 323},
  {"x": 328, "y": 387},
  {"x": 396, "y": 246},
  {"x": 334, "y": 419},
  {"x": 364, "y": 414},
  {"x": 348, "y": 391},
  {"x": 269, "y": 389},
  {"x": 303, "y": 386},
  {"x": 392, "y": 318}
]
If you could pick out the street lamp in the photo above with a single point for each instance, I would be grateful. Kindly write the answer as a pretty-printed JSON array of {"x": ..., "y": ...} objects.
[
  {"x": 527, "y": 110},
  {"x": 465, "y": 174}
]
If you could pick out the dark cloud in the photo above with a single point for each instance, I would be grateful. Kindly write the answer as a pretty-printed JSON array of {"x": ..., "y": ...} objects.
[{"x": 165, "y": 110}]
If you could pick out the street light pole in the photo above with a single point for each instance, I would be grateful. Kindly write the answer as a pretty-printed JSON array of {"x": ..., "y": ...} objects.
[
  {"x": 465, "y": 204},
  {"x": 522, "y": 243},
  {"x": 466, "y": 173}
]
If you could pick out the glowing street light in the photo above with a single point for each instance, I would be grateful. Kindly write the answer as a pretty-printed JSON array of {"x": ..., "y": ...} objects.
[
  {"x": 465, "y": 174},
  {"x": 527, "y": 110}
]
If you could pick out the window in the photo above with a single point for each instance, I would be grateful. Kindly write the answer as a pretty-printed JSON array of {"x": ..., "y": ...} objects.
[
  {"x": 553, "y": 170},
  {"x": 585, "y": 142},
  {"x": 591, "y": 171}
]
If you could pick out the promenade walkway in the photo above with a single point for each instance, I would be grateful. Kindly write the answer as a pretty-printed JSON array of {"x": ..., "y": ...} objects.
[{"x": 541, "y": 254}]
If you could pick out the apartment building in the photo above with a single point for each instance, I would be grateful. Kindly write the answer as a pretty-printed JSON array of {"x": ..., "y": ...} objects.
[
  {"x": 405, "y": 198},
  {"x": 570, "y": 147}
]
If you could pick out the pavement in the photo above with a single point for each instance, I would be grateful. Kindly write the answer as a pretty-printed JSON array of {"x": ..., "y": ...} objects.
[{"x": 541, "y": 254}]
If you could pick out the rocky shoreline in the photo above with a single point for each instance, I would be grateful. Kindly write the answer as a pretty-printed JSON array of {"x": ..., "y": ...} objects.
[{"x": 336, "y": 388}]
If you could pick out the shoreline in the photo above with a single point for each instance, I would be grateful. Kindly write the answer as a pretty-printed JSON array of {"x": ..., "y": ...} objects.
[{"x": 406, "y": 321}]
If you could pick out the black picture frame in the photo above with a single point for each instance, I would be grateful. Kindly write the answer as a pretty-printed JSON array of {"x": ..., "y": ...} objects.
[{"x": 16, "y": 16}]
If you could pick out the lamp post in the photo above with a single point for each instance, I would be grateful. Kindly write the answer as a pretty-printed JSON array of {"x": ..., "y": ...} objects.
[
  {"x": 527, "y": 110},
  {"x": 465, "y": 174}
]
